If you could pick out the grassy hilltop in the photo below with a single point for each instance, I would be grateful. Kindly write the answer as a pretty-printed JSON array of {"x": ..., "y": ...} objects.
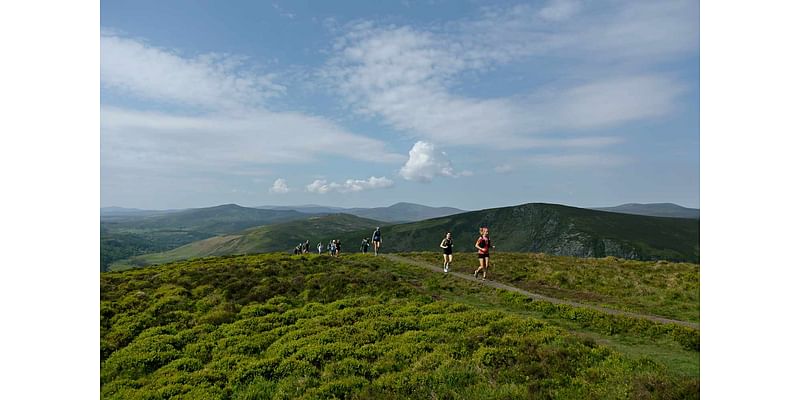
[{"x": 284, "y": 327}]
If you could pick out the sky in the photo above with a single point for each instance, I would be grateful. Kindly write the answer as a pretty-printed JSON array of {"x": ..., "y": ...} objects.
[{"x": 363, "y": 104}]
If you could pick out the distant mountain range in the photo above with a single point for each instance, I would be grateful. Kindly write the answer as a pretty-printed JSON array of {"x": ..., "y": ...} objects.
[
  {"x": 221, "y": 219},
  {"x": 534, "y": 227},
  {"x": 399, "y": 212},
  {"x": 654, "y": 210}
]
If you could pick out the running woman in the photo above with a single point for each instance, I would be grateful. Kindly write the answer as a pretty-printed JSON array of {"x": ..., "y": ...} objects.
[
  {"x": 447, "y": 245},
  {"x": 483, "y": 245},
  {"x": 376, "y": 240}
]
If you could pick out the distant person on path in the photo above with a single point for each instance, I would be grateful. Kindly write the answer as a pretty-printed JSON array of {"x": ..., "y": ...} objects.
[
  {"x": 364, "y": 245},
  {"x": 376, "y": 240},
  {"x": 483, "y": 245},
  {"x": 319, "y": 247},
  {"x": 338, "y": 246},
  {"x": 447, "y": 245},
  {"x": 332, "y": 248},
  {"x": 305, "y": 247}
]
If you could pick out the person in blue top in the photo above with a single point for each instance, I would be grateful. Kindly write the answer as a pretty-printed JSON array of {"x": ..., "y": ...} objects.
[{"x": 376, "y": 240}]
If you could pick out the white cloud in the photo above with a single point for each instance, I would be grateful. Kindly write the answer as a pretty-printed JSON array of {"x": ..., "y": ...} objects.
[
  {"x": 159, "y": 141},
  {"x": 503, "y": 168},
  {"x": 209, "y": 80},
  {"x": 426, "y": 162},
  {"x": 413, "y": 77},
  {"x": 322, "y": 186},
  {"x": 579, "y": 160},
  {"x": 225, "y": 125},
  {"x": 279, "y": 186},
  {"x": 559, "y": 10}
]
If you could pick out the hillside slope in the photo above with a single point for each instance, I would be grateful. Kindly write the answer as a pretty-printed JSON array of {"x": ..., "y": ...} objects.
[
  {"x": 217, "y": 220},
  {"x": 269, "y": 238},
  {"x": 654, "y": 210},
  {"x": 403, "y": 212},
  {"x": 554, "y": 229}
]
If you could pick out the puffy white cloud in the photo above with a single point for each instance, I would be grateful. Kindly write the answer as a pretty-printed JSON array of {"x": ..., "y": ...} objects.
[
  {"x": 322, "y": 186},
  {"x": 426, "y": 162},
  {"x": 279, "y": 186}
]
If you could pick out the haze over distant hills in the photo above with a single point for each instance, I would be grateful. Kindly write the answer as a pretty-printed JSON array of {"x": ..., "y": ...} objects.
[
  {"x": 654, "y": 210},
  {"x": 398, "y": 212}
]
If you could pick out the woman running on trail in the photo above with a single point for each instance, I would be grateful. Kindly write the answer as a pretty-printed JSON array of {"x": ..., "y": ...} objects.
[
  {"x": 483, "y": 245},
  {"x": 447, "y": 245},
  {"x": 376, "y": 240}
]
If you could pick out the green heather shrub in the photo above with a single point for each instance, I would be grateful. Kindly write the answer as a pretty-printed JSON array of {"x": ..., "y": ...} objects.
[{"x": 282, "y": 327}]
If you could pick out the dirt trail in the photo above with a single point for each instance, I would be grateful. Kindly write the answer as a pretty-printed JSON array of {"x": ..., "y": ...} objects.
[{"x": 535, "y": 296}]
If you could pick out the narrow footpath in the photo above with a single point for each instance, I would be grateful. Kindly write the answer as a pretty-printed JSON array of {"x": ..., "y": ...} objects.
[{"x": 536, "y": 296}]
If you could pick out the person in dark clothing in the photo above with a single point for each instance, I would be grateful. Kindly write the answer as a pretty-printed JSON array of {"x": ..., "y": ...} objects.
[
  {"x": 376, "y": 240},
  {"x": 447, "y": 246}
]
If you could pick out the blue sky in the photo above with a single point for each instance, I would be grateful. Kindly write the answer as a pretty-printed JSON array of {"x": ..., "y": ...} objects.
[{"x": 361, "y": 103}]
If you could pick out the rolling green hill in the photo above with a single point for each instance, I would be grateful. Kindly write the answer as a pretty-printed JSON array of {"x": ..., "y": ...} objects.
[
  {"x": 136, "y": 232},
  {"x": 554, "y": 229},
  {"x": 274, "y": 326},
  {"x": 262, "y": 239},
  {"x": 654, "y": 210},
  {"x": 218, "y": 220}
]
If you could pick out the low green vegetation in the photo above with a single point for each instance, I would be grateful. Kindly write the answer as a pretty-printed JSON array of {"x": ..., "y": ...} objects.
[
  {"x": 118, "y": 244},
  {"x": 278, "y": 326},
  {"x": 663, "y": 288}
]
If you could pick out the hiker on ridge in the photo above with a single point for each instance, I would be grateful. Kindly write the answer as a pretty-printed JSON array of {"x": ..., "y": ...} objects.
[{"x": 376, "y": 240}]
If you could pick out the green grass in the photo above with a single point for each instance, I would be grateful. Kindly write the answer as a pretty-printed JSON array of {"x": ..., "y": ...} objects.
[
  {"x": 279, "y": 326},
  {"x": 664, "y": 289}
]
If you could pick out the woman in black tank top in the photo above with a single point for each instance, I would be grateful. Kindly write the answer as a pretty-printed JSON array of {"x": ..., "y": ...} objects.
[{"x": 447, "y": 245}]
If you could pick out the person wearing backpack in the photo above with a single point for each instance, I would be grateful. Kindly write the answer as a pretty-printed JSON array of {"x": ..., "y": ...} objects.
[
  {"x": 376, "y": 240},
  {"x": 447, "y": 246},
  {"x": 483, "y": 245}
]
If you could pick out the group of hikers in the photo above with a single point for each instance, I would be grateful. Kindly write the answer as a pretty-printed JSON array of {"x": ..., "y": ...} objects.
[{"x": 483, "y": 245}]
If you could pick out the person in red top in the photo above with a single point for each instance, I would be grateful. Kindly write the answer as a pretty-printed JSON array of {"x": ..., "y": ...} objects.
[{"x": 483, "y": 245}]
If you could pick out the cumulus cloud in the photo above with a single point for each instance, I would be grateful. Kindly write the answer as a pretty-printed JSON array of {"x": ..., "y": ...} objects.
[
  {"x": 322, "y": 186},
  {"x": 279, "y": 186},
  {"x": 426, "y": 162}
]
